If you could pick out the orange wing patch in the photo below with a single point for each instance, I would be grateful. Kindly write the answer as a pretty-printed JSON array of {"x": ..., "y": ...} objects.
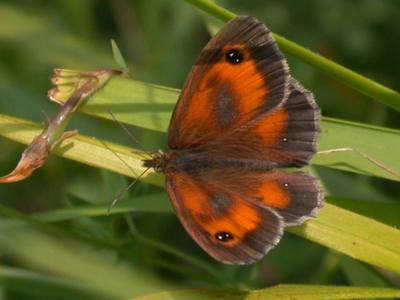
[
  {"x": 227, "y": 96},
  {"x": 238, "y": 218},
  {"x": 249, "y": 86},
  {"x": 271, "y": 193},
  {"x": 238, "y": 221},
  {"x": 272, "y": 127}
]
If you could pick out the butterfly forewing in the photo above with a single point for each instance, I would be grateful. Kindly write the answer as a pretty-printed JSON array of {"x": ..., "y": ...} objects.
[{"x": 240, "y": 74}]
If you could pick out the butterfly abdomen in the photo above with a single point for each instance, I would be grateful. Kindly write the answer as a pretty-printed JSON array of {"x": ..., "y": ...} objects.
[{"x": 195, "y": 163}]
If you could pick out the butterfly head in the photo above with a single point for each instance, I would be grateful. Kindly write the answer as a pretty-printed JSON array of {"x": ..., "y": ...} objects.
[{"x": 159, "y": 161}]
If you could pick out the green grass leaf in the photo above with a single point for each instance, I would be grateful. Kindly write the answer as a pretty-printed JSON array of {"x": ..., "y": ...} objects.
[
  {"x": 19, "y": 26},
  {"x": 150, "y": 203},
  {"x": 44, "y": 286},
  {"x": 385, "y": 212},
  {"x": 359, "y": 274},
  {"x": 357, "y": 236},
  {"x": 100, "y": 271},
  {"x": 118, "y": 57},
  {"x": 284, "y": 291}
]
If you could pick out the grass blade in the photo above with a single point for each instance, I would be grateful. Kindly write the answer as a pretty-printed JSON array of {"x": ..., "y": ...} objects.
[
  {"x": 357, "y": 236},
  {"x": 298, "y": 292},
  {"x": 359, "y": 274},
  {"x": 118, "y": 57},
  {"x": 75, "y": 260},
  {"x": 44, "y": 286}
]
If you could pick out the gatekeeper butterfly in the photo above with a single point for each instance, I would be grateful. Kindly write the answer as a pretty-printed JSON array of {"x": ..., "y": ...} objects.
[{"x": 241, "y": 116}]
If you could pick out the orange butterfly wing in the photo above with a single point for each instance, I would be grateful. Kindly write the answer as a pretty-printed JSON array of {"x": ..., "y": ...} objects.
[
  {"x": 236, "y": 218},
  {"x": 240, "y": 74}
]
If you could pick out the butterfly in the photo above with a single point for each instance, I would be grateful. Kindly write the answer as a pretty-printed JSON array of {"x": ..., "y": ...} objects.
[{"x": 239, "y": 118}]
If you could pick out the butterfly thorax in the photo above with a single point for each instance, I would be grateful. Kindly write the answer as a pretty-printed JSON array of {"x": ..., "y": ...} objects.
[{"x": 159, "y": 161}]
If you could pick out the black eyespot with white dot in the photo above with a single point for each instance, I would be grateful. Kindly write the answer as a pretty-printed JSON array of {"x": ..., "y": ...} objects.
[
  {"x": 223, "y": 236},
  {"x": 234, "y": 56}
]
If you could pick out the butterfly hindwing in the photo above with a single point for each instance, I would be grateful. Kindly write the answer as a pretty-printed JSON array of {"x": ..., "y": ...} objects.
[
  {"x": 295, "y": 196},
  {"x": 251, "y": 207},
  {"x": 298, "y": 140},
  {"x": 224, "y": 224},
  {"x": 240, "y": 74}
]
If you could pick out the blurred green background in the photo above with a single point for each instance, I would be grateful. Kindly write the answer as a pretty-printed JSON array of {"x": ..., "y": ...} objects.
[{"x": 161, "y": 40}]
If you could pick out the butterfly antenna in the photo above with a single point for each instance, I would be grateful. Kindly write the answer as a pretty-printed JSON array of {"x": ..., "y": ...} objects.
[
  {"x": 119, "y": 157},
  {"x": 127, "y": 188},
  {"x": 129, "y": 134},
  {"x": 124, "y": 191},
  {"x": 367, "y": 157}
]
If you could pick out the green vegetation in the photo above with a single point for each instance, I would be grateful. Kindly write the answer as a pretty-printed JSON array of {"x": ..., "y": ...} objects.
[{"x": 57, "y": 240}]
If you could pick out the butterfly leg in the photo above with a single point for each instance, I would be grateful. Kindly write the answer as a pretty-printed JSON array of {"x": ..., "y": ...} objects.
[{"x": 365, "y": 156}]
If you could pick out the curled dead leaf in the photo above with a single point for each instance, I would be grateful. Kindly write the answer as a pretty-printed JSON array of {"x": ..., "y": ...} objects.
[
  {"x": 32, "y": 158},
  {"x": 76, "y": 87}
]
